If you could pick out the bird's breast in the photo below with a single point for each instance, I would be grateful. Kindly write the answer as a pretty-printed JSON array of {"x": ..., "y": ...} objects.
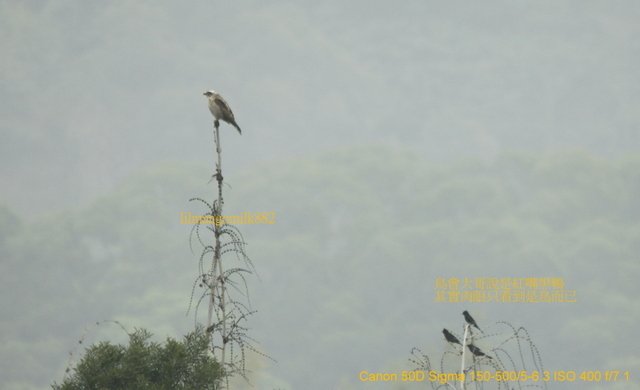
[{"x": 215, "y": 109}]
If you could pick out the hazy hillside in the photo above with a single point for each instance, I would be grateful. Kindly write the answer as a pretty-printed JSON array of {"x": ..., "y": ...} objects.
[
  {"x": 348, "y": 270},
  {"x": 396, "y": 142}
]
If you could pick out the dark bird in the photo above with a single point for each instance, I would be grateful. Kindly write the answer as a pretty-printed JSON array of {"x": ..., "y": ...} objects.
[
  {"x": 470, "y": 320},
  {"x": 220, "y": 109},
  {"x": 476, "y": 351},
  {"x": 450, "y": 338}
]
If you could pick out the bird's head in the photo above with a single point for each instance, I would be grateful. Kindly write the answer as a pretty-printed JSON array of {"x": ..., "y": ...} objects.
[{"x": 209, "y": 93}]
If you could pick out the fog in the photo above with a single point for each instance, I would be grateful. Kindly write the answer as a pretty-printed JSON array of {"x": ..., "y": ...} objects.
[{"x": 395, "y": 142}]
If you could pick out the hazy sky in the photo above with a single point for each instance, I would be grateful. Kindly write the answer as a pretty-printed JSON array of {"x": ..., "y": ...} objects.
[{"x": 94, "y": 92}]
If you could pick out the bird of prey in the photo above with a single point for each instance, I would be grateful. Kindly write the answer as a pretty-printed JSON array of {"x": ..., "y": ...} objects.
[
  {"x": 470, "y": 320},
  {"x": 450, "y": 338},
  {"x": 220, "y": 109},
  {"x": 477, "y": 351}
]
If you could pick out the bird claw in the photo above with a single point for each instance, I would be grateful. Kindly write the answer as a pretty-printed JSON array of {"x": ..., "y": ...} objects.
[{"x": 217, "y": 176}]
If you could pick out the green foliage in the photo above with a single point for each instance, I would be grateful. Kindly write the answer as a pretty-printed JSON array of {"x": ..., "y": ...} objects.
[{"x": 144, "y": 364}]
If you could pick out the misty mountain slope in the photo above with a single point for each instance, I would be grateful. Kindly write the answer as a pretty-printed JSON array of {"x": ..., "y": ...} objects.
[
  {"x": 570, "y": 215},
  {"x": 347, "y": 272}
]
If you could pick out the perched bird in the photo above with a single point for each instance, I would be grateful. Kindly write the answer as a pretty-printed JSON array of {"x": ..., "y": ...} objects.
[
  {"x": 470, "y": 320},
  {"x": 476, "y": 351},
  {"x": 220, "y": 109},
  {"x": 450, "y": 338}
]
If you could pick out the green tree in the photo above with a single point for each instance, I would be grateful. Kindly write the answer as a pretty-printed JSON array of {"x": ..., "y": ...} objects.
[{"x": 144, "y": 364}]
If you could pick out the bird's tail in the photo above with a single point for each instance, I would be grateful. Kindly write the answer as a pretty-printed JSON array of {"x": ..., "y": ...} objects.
[{"x": 237, "y": 127}]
